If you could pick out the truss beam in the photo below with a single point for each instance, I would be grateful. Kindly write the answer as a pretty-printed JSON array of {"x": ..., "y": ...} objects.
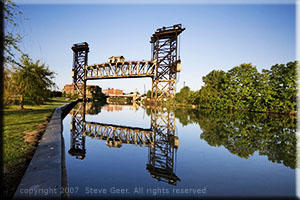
[{"x": 127, "y": 69}]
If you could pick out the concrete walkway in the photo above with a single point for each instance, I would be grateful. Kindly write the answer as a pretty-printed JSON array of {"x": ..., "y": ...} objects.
[{"x": 45, "y": 176}]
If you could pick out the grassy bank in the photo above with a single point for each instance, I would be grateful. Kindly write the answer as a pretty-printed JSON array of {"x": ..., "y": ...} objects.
[{"x": 21, "y": 131}]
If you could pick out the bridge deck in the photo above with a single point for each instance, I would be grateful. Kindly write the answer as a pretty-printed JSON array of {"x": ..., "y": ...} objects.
[
  {"x": 126, "y": 69},
  {"x": 124, "y": 134}
]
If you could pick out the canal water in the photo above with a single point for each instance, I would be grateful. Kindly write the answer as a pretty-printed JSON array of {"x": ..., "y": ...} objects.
[{"x": 131, "y": 151}]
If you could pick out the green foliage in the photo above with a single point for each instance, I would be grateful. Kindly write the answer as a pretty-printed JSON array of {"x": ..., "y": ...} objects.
[
  {"x": 243, "y": 134},
  {"x": 283, "y": 82},
  {"x": 72, "y": 96},
  {"x": 9, "y": 93},
  {"x": 239, "y": 87},
  {"x": 186, "y": 96},
  {"x": 94, "y": 107},
  {"x": 120, "y": 100},
  {"x": 11, "y": 37},
  {"x": 97, "y": 94},
  {"x": 31, "y": 80},
  {"x": 244, "y": 88},
  {"x": 182, "y": 96}
]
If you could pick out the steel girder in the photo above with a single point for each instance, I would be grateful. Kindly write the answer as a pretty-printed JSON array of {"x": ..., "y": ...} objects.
[
  {"x": 80, "y": 58},
  {"x": 126, "y": 69}
]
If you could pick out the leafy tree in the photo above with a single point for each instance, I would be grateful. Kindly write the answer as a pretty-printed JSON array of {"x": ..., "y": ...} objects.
[
  {"x": 9, "y": 91},
  {"x": 96, "y": 93},
  {"x": 211, "y": 94},
  {"x": 244, "y": 88},
  {"x": 32, "y": 80},
  {"x": 11, "y": 37},
  {"x": 240, "y": 87},
  {"x": 283, "y": 83},
  {"x": 182, "y": 96}
]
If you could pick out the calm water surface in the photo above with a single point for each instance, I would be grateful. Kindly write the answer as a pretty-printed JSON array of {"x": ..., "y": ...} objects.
[{"x": 131, "y": 151}]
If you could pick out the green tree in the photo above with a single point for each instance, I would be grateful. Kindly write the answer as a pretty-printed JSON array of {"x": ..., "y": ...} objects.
[
  {"x": 12, "y": 37},
  {"x": 244, "y": 88},
  {"x": 97, "y": 93},
  {"x": 32, "y": 80},
  {"x": 283, "y": 82},
  {"x": 211, "y": 95},
  {"x": 240, "y": 87},
  {"x": 9, "y": 94},
  {"x": 183, "y": 96}
]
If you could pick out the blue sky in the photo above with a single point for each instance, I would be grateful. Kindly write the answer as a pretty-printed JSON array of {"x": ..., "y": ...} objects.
[{"x": 217, "y": 37}]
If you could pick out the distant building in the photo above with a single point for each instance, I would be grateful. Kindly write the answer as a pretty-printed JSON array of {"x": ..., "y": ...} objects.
[
  {"x": 115, "y": 59},
  {"x": 111, "y": 108},
  {"x": 69, "y": 89},
  {"x": 112, "y": 92}
]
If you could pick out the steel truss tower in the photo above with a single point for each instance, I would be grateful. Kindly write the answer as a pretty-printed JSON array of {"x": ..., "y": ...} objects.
[
  {"x": 77, "y": 143},
  {"x": 162, "y": 154},
  {"x": 164, "y": 50},
  {"x": 80, "y": 58}
]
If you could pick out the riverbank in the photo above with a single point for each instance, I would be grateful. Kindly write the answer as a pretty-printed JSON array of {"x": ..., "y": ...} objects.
[{"x": 22, "y": 131}]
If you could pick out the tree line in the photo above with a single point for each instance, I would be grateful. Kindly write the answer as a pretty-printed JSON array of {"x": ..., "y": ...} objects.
[{"x": 244, "y": 88}]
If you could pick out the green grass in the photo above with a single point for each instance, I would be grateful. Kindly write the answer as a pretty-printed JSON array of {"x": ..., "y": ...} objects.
[{"x": 17, "y": 153}]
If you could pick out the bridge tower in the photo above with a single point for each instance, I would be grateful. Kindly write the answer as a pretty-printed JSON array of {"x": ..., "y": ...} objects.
[
  {"x": 162, "y": 154},
  {"x": 77, "y": 128},
  {"x": 80, "y": 58},
  {"x": 165, "y": 50}
]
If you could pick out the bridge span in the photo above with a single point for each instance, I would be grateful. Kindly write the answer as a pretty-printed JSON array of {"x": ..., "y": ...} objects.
[
  {"x": 126, "y": 69},
  {"x": 114, "y": 134}
]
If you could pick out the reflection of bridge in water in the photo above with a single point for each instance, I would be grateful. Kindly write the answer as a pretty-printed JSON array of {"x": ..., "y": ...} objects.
[
  {"x": 119, "y": 134},
  {"x": 160, "y": 139}
]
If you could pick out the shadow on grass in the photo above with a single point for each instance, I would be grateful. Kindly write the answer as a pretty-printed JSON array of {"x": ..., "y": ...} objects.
[
  {"x": 29, "y": 122},
  {"x": 33, "y": 111}
]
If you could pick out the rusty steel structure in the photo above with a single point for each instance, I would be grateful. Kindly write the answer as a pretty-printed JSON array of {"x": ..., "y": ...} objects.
[
  {"x": 77, "y": 129},
  {"x": 126, "y": 69},
  {"x": 164, "y": 44},
  {"x": 121, "y": 134},
  {"x": 160, "y": 139},
  {"x": 161, "y": 154},
  {"x": 162, "y": 68},
  {"x": 80, "y": 59}
]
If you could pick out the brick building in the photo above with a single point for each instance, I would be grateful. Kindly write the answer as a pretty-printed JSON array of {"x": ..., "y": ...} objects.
[
  {"x": 69, "y": 89},
  {"x": 112, "y": 92}
]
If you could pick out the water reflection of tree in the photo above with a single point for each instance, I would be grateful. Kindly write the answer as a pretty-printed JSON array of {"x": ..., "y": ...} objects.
[
  {"x": 243, "y": 134},
  {"x": 94, "y": 107}
]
